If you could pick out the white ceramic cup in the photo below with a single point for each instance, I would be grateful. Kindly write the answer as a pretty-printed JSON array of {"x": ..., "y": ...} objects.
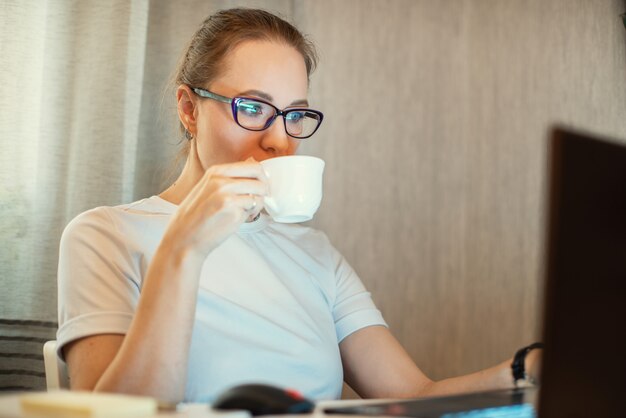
[{"x": 295, "y": 183}]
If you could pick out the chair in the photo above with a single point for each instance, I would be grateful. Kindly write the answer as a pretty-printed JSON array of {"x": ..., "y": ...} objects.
[{"x": 56, "y": 370}]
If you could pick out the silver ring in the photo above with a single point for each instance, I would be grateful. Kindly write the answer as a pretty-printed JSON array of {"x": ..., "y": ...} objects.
[{"x": 253, "y": 202}]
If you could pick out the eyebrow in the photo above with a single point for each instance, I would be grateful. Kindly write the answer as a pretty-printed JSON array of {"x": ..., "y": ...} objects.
[{"x": 265, "y": 96}]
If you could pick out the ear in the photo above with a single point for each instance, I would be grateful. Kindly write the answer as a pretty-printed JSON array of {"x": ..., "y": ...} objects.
[{"x": 187, "y": 108}]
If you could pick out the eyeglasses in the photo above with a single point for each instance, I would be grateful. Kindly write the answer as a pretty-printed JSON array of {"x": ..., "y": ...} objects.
[{"x": 258, "y": 115}]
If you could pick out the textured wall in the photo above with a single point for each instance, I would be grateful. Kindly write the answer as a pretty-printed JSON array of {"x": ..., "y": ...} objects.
[{"x": 435, "y": 139}]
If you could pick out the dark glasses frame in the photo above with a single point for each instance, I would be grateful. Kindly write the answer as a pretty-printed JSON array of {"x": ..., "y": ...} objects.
[{"x": 234, "y": 104}]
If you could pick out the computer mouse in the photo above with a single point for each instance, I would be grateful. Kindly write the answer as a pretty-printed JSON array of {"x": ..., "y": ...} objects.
[{"x": 263, "y": 399}]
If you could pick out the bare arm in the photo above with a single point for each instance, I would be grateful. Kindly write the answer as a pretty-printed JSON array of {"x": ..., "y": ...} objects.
[
  {"x": 151, "y": 359},
  {"x": 377, "y": 366}
]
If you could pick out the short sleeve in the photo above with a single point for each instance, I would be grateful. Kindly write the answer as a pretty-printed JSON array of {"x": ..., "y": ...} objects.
[
  {"x": 353, "y": 308},
  {"x": 98, "y": 282}
]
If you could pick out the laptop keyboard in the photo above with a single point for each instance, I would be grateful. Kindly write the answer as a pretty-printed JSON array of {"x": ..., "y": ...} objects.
[{"x": 510, "y": 411}]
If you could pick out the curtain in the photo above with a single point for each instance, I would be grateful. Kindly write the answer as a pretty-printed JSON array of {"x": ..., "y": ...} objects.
[
  {"x": 72, "y": 80},
  {"x": 85, "y": 120}
]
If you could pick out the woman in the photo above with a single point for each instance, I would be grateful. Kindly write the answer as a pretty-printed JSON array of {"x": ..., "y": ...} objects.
[{"x": 182, "y": 295}]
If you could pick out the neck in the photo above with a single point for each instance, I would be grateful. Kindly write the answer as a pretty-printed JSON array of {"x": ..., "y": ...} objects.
[{"x": 189, "y": 177}]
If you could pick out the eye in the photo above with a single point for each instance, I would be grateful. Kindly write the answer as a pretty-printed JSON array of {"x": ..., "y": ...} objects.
[
  {"x": 295, "y": 117},
  {"x": 250, "y": 109}
]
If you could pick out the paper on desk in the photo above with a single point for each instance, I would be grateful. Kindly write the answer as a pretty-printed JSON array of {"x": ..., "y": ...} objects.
[{"x": 76, "y": 404}]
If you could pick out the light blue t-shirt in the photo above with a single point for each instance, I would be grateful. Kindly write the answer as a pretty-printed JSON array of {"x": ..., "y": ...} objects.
[{"x": 273, "y": 304}]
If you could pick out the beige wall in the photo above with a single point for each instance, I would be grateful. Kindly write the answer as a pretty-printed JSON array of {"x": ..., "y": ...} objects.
[{"x": 435, "y": 141}]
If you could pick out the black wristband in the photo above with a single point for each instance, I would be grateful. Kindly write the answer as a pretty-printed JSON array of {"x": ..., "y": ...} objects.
[{"x": 518, "y": 367}]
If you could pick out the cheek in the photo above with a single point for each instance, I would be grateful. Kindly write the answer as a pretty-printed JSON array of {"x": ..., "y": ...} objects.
[
  {"x": 293, "y": 146},
  {"x": 241, "y": 143},
  {"x": 215, "y": 134},
  {"x": 226, "y": 143}
]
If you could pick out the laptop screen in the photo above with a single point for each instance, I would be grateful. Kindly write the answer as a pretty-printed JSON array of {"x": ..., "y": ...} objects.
[{"x": 584, "y": 362}]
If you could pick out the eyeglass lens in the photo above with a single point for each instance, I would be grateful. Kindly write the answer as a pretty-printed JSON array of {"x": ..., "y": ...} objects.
[{"x": 256, "y": 115}]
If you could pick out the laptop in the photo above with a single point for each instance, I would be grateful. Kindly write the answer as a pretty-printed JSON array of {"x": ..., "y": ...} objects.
[{"x": 584, "y": 319}]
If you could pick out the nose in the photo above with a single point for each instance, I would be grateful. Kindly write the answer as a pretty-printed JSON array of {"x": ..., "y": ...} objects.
[{"x": 275, "y": 139}]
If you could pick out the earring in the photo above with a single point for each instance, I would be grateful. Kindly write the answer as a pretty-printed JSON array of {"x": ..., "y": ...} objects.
[{"x": 188, "y": 135}]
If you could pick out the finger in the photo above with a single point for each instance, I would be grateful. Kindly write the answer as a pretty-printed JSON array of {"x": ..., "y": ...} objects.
[
  {"x": 247, "y": 203},
  {"x": 242, "y": 186},
  {"x": 243, "y": 169},
  {"x": 253, "y": 203},
  {"x": 263, "y": 176},
  {"x": 255, "y": 209}
]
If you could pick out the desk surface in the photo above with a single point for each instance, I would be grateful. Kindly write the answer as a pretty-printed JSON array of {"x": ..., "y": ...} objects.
[{"x": 10, "y": 408}]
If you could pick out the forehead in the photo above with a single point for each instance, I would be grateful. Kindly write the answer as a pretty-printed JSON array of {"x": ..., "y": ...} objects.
[{"x": 275, "y": 68}]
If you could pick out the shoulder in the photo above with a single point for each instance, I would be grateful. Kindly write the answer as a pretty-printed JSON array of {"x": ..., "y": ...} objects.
[
  {"x": 110, "y": 214},
  {"x": 92, "y": 219},
  {"x": 106, "y": 220}
]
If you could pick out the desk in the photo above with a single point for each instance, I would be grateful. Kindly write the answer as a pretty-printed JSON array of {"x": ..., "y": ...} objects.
[{"x": 10, "y": 408}]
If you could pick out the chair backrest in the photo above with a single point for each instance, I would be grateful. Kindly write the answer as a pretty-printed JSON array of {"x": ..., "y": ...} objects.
[{"x": 56, "y": 370}]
